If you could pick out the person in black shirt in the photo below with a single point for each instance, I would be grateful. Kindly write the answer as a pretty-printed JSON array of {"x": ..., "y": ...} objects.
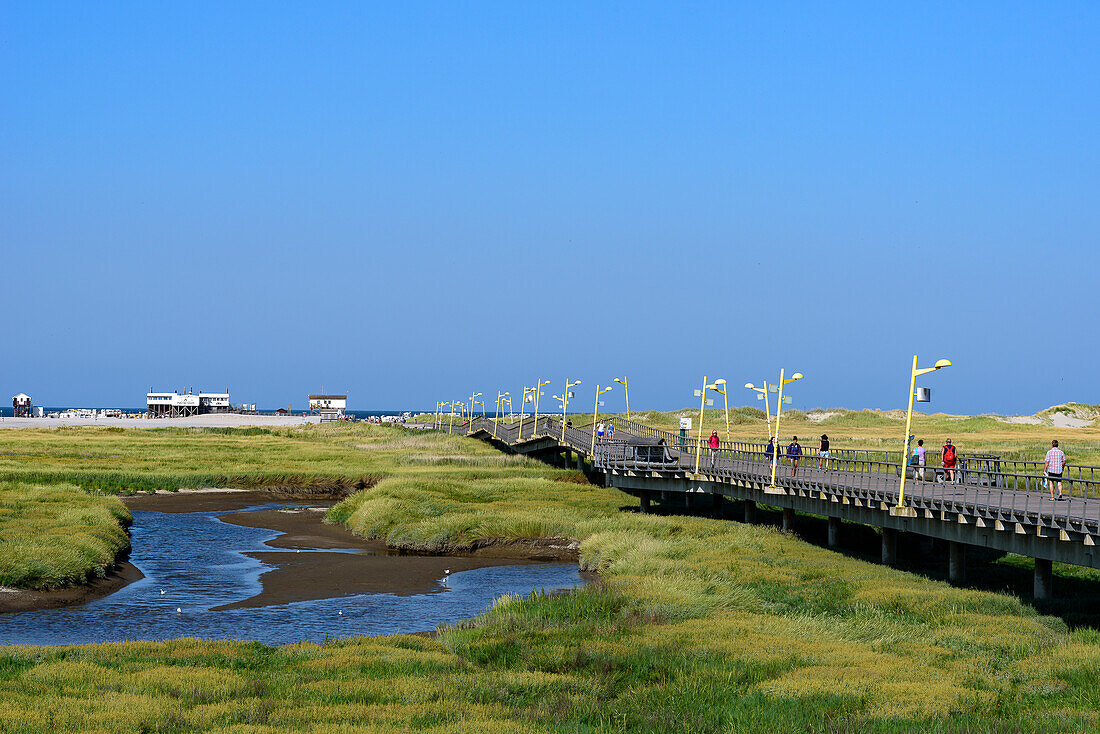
[{"x": 824, "y": 451}]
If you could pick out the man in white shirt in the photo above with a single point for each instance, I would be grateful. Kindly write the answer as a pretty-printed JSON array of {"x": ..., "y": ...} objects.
[{"x": 1054, "y": 465}]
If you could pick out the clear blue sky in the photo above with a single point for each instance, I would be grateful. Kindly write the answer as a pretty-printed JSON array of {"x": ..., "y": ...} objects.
[{"x": 409, "y": 200}]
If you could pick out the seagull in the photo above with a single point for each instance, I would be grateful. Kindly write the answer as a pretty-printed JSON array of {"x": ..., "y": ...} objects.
[
  {"x": 162, "y": 592},
  {"x": 179, "y": 611},
  {"x": 340, "y": 612},
  {"x": 446, "y": 570}
]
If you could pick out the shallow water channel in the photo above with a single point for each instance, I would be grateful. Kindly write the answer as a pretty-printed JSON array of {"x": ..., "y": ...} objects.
[{"x": 220, "y": 578}]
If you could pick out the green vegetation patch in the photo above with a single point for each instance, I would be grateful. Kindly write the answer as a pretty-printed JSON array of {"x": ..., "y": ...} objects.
[
  {"x": 694, "y": 625},
  {"x": 57, "y": 535}
]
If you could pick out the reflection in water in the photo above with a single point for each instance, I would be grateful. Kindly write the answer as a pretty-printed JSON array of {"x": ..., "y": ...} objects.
[{"x": 198, "y": 562}]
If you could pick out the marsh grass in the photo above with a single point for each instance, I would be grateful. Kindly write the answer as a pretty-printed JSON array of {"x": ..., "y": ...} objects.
[
  {"x": 57, "y": 535},
  {"x": 696, "y": 625}
]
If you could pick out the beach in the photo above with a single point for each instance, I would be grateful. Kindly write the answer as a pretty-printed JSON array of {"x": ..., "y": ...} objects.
[{"x": 210, "y": 420}]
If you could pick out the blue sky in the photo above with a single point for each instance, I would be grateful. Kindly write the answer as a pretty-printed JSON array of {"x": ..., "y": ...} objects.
[{"x": 408, "y": 201}]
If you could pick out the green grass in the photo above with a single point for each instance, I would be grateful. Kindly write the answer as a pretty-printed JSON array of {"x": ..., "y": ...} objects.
[
  {"x": 322, "y": 459},
  {"x": 696, "y": 625},
  {"x": 57, "y": 535}
]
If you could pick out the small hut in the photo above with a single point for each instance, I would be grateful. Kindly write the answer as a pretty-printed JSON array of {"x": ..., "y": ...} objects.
[{"x": 21, "y": 406}]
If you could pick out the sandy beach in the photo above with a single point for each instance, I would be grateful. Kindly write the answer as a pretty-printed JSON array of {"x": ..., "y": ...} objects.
[{"x": 213, "y": 420}]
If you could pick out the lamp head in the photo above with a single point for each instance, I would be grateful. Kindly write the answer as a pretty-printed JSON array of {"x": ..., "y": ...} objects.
[
  {"x": 943, "y": 363},
  {"x": 796, "y": 376},
  {"x": 719, "y": 381},
  {"x": 750, "y": 386}
]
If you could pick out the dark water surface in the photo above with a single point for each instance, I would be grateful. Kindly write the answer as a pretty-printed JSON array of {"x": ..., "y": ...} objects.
[{"x": 199, "y": 562}]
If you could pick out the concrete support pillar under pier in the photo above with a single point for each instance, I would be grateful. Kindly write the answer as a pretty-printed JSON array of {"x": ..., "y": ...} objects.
[
  {"x": 717, "y": 499},
  {"x": 1044, "y": 578},
  {"x": 750, "y": 511},
  {"x": 644, "y": 500},
  {"x": 788, "y": 520},
  {"x": 889, "y": 546},
  {"x": 834, "y": 532},
  {"x": 956, "y": 562}
]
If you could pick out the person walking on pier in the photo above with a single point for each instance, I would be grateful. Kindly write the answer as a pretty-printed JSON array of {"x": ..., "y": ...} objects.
[
  {"x": 1054, "y": 465},
  {"x": 824, "y": 451},
  {"x": 947, "y": 460},
  {"x": 922, "y": 458},
  {"x": 769, "y": 450},
  {"x": 713, "y": 442},
  {"x": 610, "y": 430},
  {"x": 794, "y": 453},
  {"x": 599, "y": 431}
]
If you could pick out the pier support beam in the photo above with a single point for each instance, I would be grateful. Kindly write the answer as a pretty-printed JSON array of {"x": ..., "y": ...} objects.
[
  {"x": 1044, "y": 578},
  {"x": 718, "y": 505},
  {"x": 750, "y": 512},
  {"x": 956, "y": 562},
  {"x": 644, "y": 499},
  {"x": 889, "y": 546},
  {"x": 834, "y": 532},
  {"x": 788, "y": 520}
]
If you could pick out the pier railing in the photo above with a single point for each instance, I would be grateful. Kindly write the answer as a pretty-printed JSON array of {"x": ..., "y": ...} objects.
[{"x": 859, "y": 469}]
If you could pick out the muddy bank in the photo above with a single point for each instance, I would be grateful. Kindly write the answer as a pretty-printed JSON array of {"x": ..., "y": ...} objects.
[
  {"x": 370, "y": 567},
  {"x": 310, "y": 559},
  {"x": 212, "y": 500},
  {"x": 23, "y": 600},
  {"x": 561, "y": 550}
]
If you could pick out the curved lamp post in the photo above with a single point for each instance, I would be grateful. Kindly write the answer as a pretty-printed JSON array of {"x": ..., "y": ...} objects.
[
  {"x": 702, "y": 404},
  {"x": 899, "y": 509},
  {"x": 778, "y": 409},
  {"x": 595, "y": 412},
  {"x": 763, "y": 395},
  {"x": 626, "y": 388},
  {"x": 726, "y": 401},
  {"x": 538, "y": 391}
]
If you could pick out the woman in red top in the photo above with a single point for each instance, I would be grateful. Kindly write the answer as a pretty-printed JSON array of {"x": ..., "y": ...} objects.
[{"x": 714, "y": 443}]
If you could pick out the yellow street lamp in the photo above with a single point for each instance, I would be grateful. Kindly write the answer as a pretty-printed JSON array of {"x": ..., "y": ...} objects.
[
  {"x": 499, "y": 410},
  {"x": 595, "y": 412},
  {"x": 778, "y": 409},
  {"x": 763, "y": 395},
  {"x": 454, "y": 404},
  {"x": 538, "y": 391},
  {"x": 565, "y": 403},
  {"x": 507, "y": 399},
  {"x": 726, "y": 400},
  {"x": 523, "y": 407},
  {"x": 626, "y": 388},
  {"x": 913, "y": 375},
  {"x": 472, "y": 404},
  {"x": 702, "y": 403}
]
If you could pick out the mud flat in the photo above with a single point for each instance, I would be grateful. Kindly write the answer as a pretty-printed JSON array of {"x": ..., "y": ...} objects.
[{"x": 22, "y": 600}]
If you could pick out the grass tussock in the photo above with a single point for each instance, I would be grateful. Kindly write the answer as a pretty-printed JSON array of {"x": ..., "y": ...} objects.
[{"x": 57, "y": 535}]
